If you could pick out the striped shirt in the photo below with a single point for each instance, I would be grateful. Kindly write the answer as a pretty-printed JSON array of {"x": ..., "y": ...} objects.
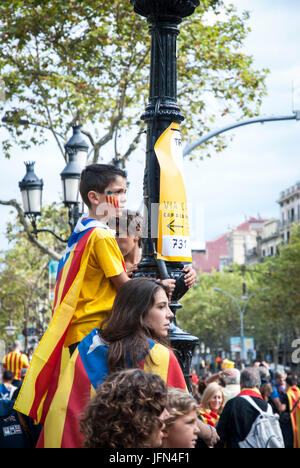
[{"x": 15, "y": 361}]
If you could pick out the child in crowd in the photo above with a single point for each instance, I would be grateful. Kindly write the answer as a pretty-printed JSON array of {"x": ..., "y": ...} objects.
[
  {"x": 128, "y": 411},
  {"x": 183, "y": 426},
  {"x": 89, "y": 276}
]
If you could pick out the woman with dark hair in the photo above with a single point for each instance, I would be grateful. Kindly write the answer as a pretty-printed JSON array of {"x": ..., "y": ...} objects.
[
  {"x": 127, "y": 411},
  {"x": 133, "y": 336}
]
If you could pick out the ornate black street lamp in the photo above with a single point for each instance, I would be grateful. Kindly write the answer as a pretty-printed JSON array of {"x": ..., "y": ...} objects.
[
  {"x": 31, "y": 186},
  {"x": 163, "y": 16}
]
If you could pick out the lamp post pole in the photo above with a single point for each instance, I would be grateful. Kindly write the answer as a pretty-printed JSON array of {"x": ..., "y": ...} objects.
[
  {"x": 163, "y": 16},
  {"x": 241, "y": 311}
]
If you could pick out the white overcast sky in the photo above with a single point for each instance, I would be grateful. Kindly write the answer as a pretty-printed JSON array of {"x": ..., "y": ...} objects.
[{"x": 244, "y": 180}]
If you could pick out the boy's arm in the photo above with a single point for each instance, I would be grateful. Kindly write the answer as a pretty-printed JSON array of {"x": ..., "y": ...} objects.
[{"x": 119, "y": 280}]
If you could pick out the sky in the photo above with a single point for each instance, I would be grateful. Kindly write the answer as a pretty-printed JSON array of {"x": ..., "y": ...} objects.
[{"x": 242, "y": 181}]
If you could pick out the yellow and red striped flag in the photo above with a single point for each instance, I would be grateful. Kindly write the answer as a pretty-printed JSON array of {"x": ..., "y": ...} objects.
[
  {"x": 85, "y": 372},
  {"x": 293, "y": 394},
  {"x": 50, "y": 358}
]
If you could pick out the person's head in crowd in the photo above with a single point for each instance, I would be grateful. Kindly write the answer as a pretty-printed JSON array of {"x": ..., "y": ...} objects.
[
  {"x": 201, "y": 385},
  {"x": 231, "y": 376},
  {"x": 264, "y": 374},
  {"x": 140, "y": 311},
  {"x": 213, "y": 398},
  {"x": 182, "y": 425},
  {"x": 280, "y": 378},
  {"x": 250, "y": 378},
  {"x": 103, "y": 189},
  {"x": 17, "y": 346},
  {"x": 7, "y": 377},
  {"x": 128, "y": 411},
  {"x": 291, "y": 381},
  {"x": 128, "y": 231},
  {"x": 266, "y": 390}
]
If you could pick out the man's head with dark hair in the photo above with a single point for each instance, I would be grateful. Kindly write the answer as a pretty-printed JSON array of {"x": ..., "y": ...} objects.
[
  {"x": 97, "y": 177},
  {"x": 291, "y": 381},
  {"x": 8, "y": 376}
]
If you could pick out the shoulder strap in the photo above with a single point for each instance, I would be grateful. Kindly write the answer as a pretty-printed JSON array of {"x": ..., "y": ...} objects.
[
  {"x": 294, "y": 407},
  {"x": 252, "y": 403}
]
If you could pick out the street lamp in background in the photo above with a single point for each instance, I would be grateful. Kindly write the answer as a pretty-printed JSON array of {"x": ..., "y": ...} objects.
[
  {"x": 162, "y": 110},
  {"x": 31, "y": 186},
  {"x": 241, "y": 310},
  {"x": 11, "y": 328}
]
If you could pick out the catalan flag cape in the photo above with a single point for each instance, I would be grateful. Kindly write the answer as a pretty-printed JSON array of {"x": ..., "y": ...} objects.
[
  {"x": 293, "y": 394},
  {"x": 85, "y": 372},
  {"x": 50, "y": 357}
]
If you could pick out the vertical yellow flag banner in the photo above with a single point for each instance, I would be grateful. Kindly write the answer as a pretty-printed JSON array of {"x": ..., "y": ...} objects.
[{"x": 173, "y": 242}]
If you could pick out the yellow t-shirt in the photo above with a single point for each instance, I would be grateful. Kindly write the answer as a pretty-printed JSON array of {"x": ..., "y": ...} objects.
[{"x": 97, "y": 292}]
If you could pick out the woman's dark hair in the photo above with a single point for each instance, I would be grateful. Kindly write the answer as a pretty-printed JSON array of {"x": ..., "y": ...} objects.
[
  {"x": 97, "y": 177},
  {"x": 125, "y": 329},
  {"x": 125, "y": 411}
]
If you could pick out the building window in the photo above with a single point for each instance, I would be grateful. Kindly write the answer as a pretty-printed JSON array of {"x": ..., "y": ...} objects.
[
  {"x": 271, "y": 251},
  {"x": 292, "y": 215}
]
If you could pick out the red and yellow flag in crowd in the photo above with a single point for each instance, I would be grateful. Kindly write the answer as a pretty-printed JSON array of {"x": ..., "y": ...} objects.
[
  {"x": 86, "y": 370},
  {"x": 50, "y": 357},
  {"x": 293, "y": 394}
]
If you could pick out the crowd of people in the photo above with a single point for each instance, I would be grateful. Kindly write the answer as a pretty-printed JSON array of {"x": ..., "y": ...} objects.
[
  {"x": 220, "y": 406},
  {"x": 104, "y": 373},
  {"x": 133, "y": 408}
]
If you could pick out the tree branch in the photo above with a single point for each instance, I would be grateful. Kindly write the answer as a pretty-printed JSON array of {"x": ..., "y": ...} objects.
[
  {"x": 131, "y": 147},
  {"x": 43, "y": 248}
]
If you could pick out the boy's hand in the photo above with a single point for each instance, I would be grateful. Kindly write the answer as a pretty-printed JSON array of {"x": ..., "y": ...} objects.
[
  {"x": 208, "y": 434},
  {"x": 190, "y": 277},
  {"x": 171, "y": 283},
  {"x": 131, "y": 269}
]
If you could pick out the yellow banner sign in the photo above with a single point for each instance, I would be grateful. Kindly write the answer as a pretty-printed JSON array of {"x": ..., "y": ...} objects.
[{"x": 173, "y": 242}]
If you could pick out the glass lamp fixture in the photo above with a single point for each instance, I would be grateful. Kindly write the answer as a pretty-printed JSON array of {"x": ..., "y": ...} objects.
[
  {"x": 70, "y": 177},
  {"x": 10, "y": 329},
  {"x": 77, "y": 151},
  {"x": 31, "y": 189},
  {"x": 77, "y": 145}
]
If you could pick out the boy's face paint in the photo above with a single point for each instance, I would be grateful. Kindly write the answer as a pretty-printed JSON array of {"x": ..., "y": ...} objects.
[
  {"x": 115, "y": 195},
  {"x": 112, "y": 199}
]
